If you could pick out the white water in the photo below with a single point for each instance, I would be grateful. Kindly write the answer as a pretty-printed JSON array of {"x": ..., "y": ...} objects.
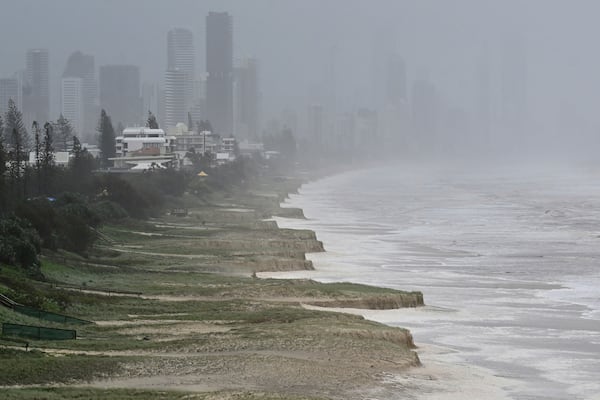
[{"x": 508, "y": 261}]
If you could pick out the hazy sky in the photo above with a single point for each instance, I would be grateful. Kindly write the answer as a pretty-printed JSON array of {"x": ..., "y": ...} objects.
[{"x": 293, "y": 39}]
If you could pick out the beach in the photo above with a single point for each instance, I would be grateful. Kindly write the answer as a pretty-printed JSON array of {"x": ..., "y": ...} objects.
[{"x": 505, "y": 259}]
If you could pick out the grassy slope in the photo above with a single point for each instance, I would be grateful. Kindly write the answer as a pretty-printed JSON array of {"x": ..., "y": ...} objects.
[{"x": 214, "y": 312}]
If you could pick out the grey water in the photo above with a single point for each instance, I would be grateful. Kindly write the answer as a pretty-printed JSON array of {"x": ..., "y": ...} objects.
[{"x": 508, "y": 260}]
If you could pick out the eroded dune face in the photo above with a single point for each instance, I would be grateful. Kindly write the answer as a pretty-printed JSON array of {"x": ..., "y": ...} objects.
[{"x": 506, "y": 260}]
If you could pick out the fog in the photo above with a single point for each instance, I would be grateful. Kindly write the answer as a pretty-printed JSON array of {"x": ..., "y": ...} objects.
[{"x": 505, "y": 76}]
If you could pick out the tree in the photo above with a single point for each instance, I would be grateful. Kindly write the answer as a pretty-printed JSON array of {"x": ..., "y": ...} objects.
[
  {"x": 81, "y": 166},
  {"x": 14, "y": 121},
  {"x": 17, "y": 166},
  {"x": 3, "y": 169},
  {"x": 151, "y": 122},
  {"x": 3, "y": 153},
  {"x": 201, "y": 162},
  {"x": 38, "y": 152},
  {"x": 204, "y": 126},
  {"x": 19, "y": 243},
  {"x": 63, "y": 131},
  {"x": 106, "y": 140},
  {"x": 47, "y": 157}
]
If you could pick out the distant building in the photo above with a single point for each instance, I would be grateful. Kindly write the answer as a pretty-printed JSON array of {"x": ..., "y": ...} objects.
[
  {"x": 367, "y": 130},
  {"x": 179, "y": 76},
  {"x": 424, "y": 114},
  {"x": 143, "y": 148},
  {"x": 10, "y": 88},
  {"x": 120, "y": 94},
  {"x": 219, "y": 65},
  {"x": 228, "y": 145},
  {"x": 71, "y": 102},
  {"x": 61, "y": 158},
  {"x": 396, "y": 80},
  {"x": 181, "y": 54},
  {"x": 177, "y": 97},
  {"x": 315, "y": 126},
  {"x": 82, "y": 66},
  {"x": 36, "y": 90},
  {"x": 247, "y": 99}
]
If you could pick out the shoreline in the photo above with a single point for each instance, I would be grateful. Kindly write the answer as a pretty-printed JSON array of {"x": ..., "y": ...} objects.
[
  {"x": 202, "y": 322},
  {"x": 441, "y": 375}
]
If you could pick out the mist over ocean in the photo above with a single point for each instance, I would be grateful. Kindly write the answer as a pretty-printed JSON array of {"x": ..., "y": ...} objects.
[{"x": 508, "y": 261}]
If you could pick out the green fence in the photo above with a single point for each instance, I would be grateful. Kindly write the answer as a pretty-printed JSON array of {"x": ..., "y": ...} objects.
[
  {"x": 49, "y": 316},
  {"x": 37, "y": 332}
]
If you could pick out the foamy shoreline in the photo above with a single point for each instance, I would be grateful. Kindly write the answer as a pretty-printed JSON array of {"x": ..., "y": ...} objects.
[{"x": 442, "y": 376}]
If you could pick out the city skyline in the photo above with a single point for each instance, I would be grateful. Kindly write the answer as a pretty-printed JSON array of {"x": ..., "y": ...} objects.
[{"x": 296, "y": 70}]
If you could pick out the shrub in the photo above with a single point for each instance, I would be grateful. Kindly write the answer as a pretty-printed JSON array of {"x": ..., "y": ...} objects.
[{"x": 19, "y": 243}]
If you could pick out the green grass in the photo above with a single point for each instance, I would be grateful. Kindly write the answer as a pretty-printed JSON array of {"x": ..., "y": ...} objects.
[
  {"x": 81, "y": 393},
  {"x": 34, "y": 367},
  {"x": 247, "y": 314}
]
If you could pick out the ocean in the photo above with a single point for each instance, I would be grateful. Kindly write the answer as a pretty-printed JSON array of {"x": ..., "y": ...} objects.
[{"x": 508, "y": 260}]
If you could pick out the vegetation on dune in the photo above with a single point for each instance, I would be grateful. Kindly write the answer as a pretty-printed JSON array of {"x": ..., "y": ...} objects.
[
  {"x": 35, "y": 367},
  {"x": 174, "y": 294},
  {"x": 132, "y": 394}
]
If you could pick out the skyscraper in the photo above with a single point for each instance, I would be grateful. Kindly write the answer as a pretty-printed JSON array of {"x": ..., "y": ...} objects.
[
  {"x": 36, "y": 91},
  {"x": 424, "y": 114},
  {"x": 179, "y": 76},
  {"x": 395, "y": 80},
  {"x": 81, "y": 66},
  {"x": 180, "y": 51},
  {"x": 120, "y": 94},
  {"x": 177, "y": 86},
  {"x": 315, "y": 127},
  {"x": 71, "y": 103},
  {"x": 246, "y": 99},
  {"x": 219, "y": 65}
]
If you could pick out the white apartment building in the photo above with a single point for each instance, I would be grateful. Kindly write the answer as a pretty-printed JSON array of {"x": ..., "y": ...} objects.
[{"x": 143, "y": 148}]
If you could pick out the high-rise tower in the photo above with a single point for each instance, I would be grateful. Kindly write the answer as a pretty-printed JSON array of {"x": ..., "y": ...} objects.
[
  {"x": 71, "y": 102},
  {"x": 81, "y": 66},
  {"x": 177, "y": 87},
  {"x": 180, "y": 51},
  {"x": 247, "y": 99},
  {"x": 219, "y": 65},
  {"x": 179, "y": 76},
  {"x": 120, "y": 94},
  {"x": 36, "y": 91}
]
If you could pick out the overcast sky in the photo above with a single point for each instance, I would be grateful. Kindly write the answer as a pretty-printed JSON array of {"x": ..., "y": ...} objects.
[{"x": 293, "y": 40}]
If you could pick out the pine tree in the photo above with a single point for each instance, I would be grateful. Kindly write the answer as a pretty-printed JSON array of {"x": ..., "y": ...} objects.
[
  {"x": 106, "y": 139},
  {"x": 47, "y": 158},
  {"x": 48, "y": 146},
  {"x": 14, "y": 120},
  {"x": 17, "y": 165},
  {"x": 63, "y": 131},
  {"x": 38, "y": 151},
  {"x": 151, "y": 122},
  {"x": 81, "y": 166},
  {"x": 3, "y": 169}
]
